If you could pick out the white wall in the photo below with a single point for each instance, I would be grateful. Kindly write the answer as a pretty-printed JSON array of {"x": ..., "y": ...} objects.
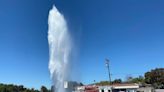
[{"x": 159, "y": 90}]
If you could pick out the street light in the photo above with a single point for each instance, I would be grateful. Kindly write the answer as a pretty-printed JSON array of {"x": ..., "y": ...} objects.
[{"x": 107, "y": 65}]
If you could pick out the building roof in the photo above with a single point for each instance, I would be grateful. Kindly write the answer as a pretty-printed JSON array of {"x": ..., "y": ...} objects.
[
  {"x": 123, "y": 85},
  {"x": 113, "y": 86}
]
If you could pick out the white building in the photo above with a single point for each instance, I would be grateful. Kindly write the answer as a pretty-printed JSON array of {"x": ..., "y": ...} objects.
[
  {"x": 108, "y": 88},
  {"x": 105, "y": 88},
  {"x": 119, "y": 88}
]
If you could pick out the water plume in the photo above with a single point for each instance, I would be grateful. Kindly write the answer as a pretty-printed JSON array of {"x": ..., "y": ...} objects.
[{"x": 59, "y": 49}]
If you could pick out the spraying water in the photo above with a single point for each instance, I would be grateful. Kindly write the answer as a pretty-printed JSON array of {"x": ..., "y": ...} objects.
[{"x": 59, "y": 49}]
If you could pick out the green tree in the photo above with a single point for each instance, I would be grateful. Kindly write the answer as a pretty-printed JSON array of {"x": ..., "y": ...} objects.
[
  {"x": 44, "y": 89},
  {"x": 129, "y": 78},
  {"x": 81, "y": 84},
  {"x": 15, "y": 88},
  {"x": 139, "y": 79},
  {"x": 117, "y": 81},
  {"x": 155, "y": 77},
  {"x": 103, "y": 83}
]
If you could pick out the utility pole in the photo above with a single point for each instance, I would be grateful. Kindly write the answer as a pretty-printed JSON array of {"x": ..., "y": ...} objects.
[{"x": 107, "y": 65}]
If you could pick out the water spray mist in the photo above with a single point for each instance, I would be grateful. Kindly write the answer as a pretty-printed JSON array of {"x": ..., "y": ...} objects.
[{"x": 59, "y": 49}]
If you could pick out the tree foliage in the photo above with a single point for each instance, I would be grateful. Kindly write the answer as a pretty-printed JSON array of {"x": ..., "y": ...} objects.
[
  {"x": 44, "y": 89},
  {"x": 16, "y": 88},
  {"x": 155, "y": 77},
  {"x": 139, "y": 79},
  {"x": 102, "y": 83},
  {"x": 117, "y": 81}
]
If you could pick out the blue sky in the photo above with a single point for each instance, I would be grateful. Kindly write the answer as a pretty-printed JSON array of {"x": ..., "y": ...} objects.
[{"x": 128, "y": 32}]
